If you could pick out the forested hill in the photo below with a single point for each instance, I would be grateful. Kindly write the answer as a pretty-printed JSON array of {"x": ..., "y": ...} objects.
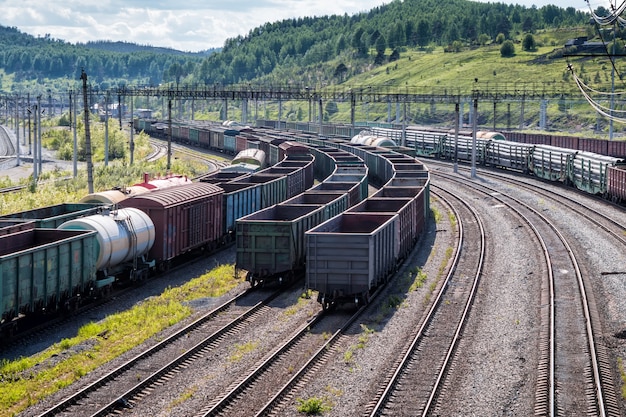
[
  {"x": 25, "y": 58},
  {"x": 304, "y": 50},
  {"x": 127, "y": 47}
]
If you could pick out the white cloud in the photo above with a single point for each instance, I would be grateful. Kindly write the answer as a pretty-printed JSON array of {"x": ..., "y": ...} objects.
[{"x": 188, "y": 25}]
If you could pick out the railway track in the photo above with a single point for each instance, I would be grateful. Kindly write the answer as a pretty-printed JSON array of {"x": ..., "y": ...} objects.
[
  {"x": 415, "y": 379},
  {"x": 7, "y": 148},
  {"x": 121, "y": 388},
  {"x": 573, "y": 370},
  {"x": 614, "y": 227},
  {"x": 160, "y": 150}
]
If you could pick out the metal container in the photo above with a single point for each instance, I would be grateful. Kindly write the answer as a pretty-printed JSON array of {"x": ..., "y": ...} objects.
[
  {"x": 616, "y": 183},
  {"x": 408, "y": 217},
  {"x": 43, "y": 269},
  {"x": 185, "y": 218},
  {"x": 219, "y": 177},
  {"x": 273, "y": 187},
  {"x": 334, "y": 201},
  {"x": 240, "y": 199},
  {"x": 350, "y": 255},
  {"x": 123, "y": 235},
  {"x": 52, "y": 217},
  {"x": 8, "y": 226},
  {"x": 270, "y": 242}
]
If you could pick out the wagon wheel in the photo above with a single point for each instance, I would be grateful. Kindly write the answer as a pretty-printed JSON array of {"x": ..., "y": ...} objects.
[
  {"x": 9, "y": 331},
  {"x": 366, "y": 298},
  {"x": 252, "y": 280}
]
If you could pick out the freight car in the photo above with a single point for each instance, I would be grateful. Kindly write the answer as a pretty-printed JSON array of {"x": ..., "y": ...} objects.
[
  {"x": 130, "y": 242},
  {"x": 275, "y": 243},
  {"x": 247, "y": 161},
  {"x": 44, "y": 270},
  {"x": 270, "y": 243},
  {"x": 116, "y": 195},
  {"x": 587, "y": 171},
  {"x": 352, "y": 254}
]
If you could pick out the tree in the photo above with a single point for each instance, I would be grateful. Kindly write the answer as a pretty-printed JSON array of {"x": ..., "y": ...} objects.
[
  {"x": 528, "y": 44},
  {"x": 500, "y": 38},
  {"x": 423, "y": 33},
  {"x": 483, "y": 38},
  {"x": 358, "y": 42},
  {"x": 507, "y": 49},
  {"x": 395, "y": 55},
  {"x": 381, "y": 45},
  {"x": 340, "y": 71},
  {"x": 331, "y": 108}
]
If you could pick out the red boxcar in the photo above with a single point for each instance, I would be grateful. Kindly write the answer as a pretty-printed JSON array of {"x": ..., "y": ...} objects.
[
  {"x": 205, "y": 138},
  {"x": 616, "y": 184},
  {"x": 599, "y": 146},
  {"x": 569, "y": 142},
  {"x": 185, "y": 218},
  {"x": 617, "y": 149}
]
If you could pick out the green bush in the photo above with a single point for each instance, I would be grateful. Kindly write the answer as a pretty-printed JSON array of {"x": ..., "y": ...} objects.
[{"x": 507, "y": 49}]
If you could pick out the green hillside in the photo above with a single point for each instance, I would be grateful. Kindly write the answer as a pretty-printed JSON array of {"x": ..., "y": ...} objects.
[{"x": 449, "y": 45}]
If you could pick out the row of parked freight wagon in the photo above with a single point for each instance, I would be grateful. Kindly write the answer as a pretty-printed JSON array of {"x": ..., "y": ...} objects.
[
  {"x": 583, "y": 163},
  {"x": 54, "y": 257},
  {"x": 57, "y": 257}
]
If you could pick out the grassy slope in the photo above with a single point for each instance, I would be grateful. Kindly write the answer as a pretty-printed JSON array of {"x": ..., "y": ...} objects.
[{"x": 434, "y": 71}]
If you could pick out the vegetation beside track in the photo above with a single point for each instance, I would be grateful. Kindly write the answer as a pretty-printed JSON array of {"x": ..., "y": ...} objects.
[{"x": 26, "y": 381}]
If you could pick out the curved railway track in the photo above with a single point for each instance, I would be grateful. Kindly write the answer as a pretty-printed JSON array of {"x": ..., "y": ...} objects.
[
  {"x": 7, "y": 148},
  {"x": 417, "y": 376},
  {"x": 574, "y": 372},
  {"x": 160, "y": 149}
]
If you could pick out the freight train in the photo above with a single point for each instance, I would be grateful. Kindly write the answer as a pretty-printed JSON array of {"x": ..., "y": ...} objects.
[
  {"x": 56, "y": 257},
  {"x": 589, "y": 172},
  {"x": 568, "y": 160},
  {"x": 346, "y": 243},
  {"x": 116, "y": 195}
]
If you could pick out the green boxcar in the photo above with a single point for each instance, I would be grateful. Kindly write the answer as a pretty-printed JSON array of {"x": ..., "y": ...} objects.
[
  {"x": 45, "y": 269},
  {"x": 194, "y": 135},
  {"x": 52, "y": 217}
]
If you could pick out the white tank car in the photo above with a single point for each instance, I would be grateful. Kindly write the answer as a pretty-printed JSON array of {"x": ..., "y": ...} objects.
[
  {"x": 370, "y": 140},
  {"x": 117, "y": 230}
]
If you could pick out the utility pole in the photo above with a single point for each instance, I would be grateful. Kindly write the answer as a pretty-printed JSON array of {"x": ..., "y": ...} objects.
[
  {"x": 169, "y": 135},
  {"x": 474, "y": 128},
  {"x": 132, "y": 139},
  {"x": 83, "y": 76},
  {"x": 106, "y": 129},
  {"x": 456, "y": 138},
  {"x": 73, "y": 127},
  {"x": 17, "y": 127}
]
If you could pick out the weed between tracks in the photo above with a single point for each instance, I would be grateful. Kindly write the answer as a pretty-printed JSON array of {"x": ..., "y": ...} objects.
[{"x": 26, "y": 381}]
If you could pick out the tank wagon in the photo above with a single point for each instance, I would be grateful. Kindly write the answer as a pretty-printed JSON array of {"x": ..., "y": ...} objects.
[
  {"x": 116, "y": 195},
  {"x": 123, "y": 239}
]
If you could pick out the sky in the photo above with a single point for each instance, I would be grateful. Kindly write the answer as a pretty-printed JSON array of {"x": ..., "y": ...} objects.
[{"x": 186, "y": 25}]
